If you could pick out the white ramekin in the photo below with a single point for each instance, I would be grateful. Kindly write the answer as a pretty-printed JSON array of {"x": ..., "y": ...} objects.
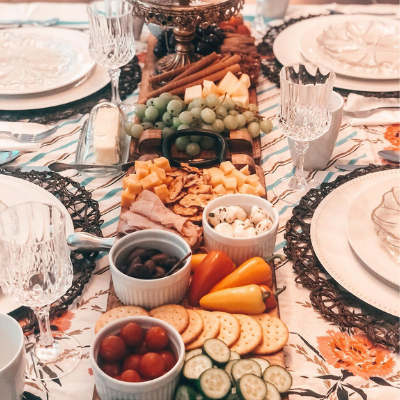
[
  {"x": 241, "y": 249},
  {"x": 150, "y": 293},
  {"x": 162, "y": 388}
]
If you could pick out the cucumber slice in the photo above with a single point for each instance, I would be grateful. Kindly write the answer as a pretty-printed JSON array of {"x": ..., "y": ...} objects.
[
  {"x": 272, "y": 392},
  {"x": 243, "y": 367},
  {"x": 185, "y": 393},
  {"x": 195, "y": 366},
  {"x": 192, "y": 353},
  {"x": 251, "y": 387},
  {"x": 217, "y": 350},
  {"x": 235, "y": 356},
  {"x": 264, "y": 364},
  {"x": 279, "y": 377},
  {"x": 228, "y": 367},
  {"x": 214, "y": 384}
]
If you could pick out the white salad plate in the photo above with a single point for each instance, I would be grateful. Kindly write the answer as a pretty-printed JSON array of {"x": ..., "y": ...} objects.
[
  {"x": 362, "y": 235},
  {"x": 16, "y": 191},
  {"x": 287, "y": 51},
  {"x": 356, "y": 47},
  {"x": 329, "y": 240},
  {"x": 36, "y": 60}
]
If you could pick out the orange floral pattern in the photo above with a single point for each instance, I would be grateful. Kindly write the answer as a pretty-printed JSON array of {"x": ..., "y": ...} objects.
[
  {"x": 63, "y": 323},
  {"x": 392, "y": 135},
  {"x": 356, "y": 354}
]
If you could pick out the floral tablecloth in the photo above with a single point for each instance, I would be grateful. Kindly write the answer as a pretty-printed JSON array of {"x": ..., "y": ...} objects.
[{"x": 324, "y": 362}]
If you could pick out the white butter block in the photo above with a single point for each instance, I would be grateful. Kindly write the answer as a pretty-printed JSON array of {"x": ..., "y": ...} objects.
[
  {"x": 106, "y": 136},
  {"x": 192, "y": 93}
]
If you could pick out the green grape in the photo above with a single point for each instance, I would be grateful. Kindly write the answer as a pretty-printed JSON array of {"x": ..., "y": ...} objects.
[
  {"x": 145, "y": 119},
  {"x": 167, "y": 118},
  {"x": 183, "y": 126},
  {"x": 151, "y": 113},
  {"x": 241, "y": 120},
  {"x": 239, "y": 103},
  {"x": 196, "y": 112},
  {"x": 176, "y": 121},
  {"x": 230, "y": 122},
  {"x": 207, "y": 127},
  {"x": 191, "y": 106},
  {"x": 199, "y": 102},
  {"x": 147, "y": 125},
  {"x": 182, "y": 142},
  {"x": 166, "y": 96},
  {"x": 233, "y": 112},
  {"x": 128, "y": 125},
  {"x": 195, "y": 138},
  {"x": 160, "y": 103},
  {"x": 175, "y": 97},
  {"x": 150, "y": 102},
  {"x": 253, "y": 107},
  {"x": 249, "y": 115},
  {"x": 206, "y": 142},
  {"x": 136, "y": 130},
  {"x": 266, "y": 126},
  {"x": 160, "y": 125},
  {"x": 218, "y": 125},
  {"x": 140, "y": 110},
  {"x": 174, "y": 107},
  {"x": 254, "y": 129},
  {"x": 228, "y": 103},
  {"x": 208, "y": 115},
  {"x": 212, "y": 101},
  {"x": 167, "y": 131},
  {"x": 186, "y": 117},
  {"x": 221, "y": 112},
  {"x": 193, "y": 149}
]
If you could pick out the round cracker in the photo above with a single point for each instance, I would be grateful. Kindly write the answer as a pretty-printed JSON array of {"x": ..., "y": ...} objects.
[
  {"x": 176, "y": 316},
  {"x": 210, "y": 330},
  {"x": 250, "y": 334},
  {"x": 195, "y": 327},
  {"x": 275, "y": 334},
  {"x": 229, "y": 328},
  {"x": 118, "y": 313}
]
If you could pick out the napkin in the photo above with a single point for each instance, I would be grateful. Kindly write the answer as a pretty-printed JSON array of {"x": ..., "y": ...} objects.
[{"x": 356, "y": 102}]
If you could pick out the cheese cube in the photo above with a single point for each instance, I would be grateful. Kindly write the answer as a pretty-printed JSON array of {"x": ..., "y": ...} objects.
[
  {"x": 252, "y": 180},
  {"x": 163, "y": 163},
  {"x": 134, "y": 187},
  {"x": 126, "y": 180},
  {"x": 226, "y": 167},
  {"x": 245, "y": 79},
  {"x": 240, "y": 178},
  {"x": 161, "y": 191},
  {"x": 243, "y": 99},
  {"x": 245, "y": 170},
  {"x": 106, "y": 136},
  {"x": 260, "y": 190},
  {"x": 141, "y": 164},
  {"x": 209, "y": 87},
  {"x": 247, "y": 189},
  {"x": 240, "y": 90},
  {"x": 159, "y": 171},
  {"x": 141, "y": 172},
  {"x": 193, "y": 92},
  {"x": 220, "y": 189},
  {"x": 169, "y": 180},
  {"x": 230, "y": 192},
  {"x": 151, "y": 181},
  {"x": 228, "y": 83},
  {"x": 216, "y": 176},
  {"x": 229, "y": 183},
  {"x": 127, "y": 199}
]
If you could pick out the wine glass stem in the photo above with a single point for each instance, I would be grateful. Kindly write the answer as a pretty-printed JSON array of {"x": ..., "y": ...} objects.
[
  {"x": 298, "y": 182},
  {"x": 42, "y": 314},
  {"x": 114, "y": 74},
  {"x": 259, "y": 18}
]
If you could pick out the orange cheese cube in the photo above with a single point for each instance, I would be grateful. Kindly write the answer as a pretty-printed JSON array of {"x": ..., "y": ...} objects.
[
  {"x": 260, "y": 190},
  {"x": 230, "y": 192},
  {"x": 142, "y": 172},
  {"x": 127, "y": 199},
  {"x": 163, "y": 163},
  {"x": 226, "y": 167},
  {"x": 159, "y": 171},
  {"x": 220, "y": 189},
  {"x": 245, "y": 170},
  {"x": 230, "y": 183},
  {"x": 141, "y": 164},
  {"x": 134, "y": 186},
  {"x": 151, "y": 181},
  {"x": 241, "y": 178},
  {"x": 127, "y": 179},
  {"x": 169, "y": 180},
  {"x": 216, "y": 176},
  {"x": 247, "y": 189},
  {"x": 253, "y": 180},
  {"x": 161, "y": 191}
]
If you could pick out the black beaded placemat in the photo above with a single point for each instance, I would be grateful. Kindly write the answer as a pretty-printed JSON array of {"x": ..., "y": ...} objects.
[
  {"x": 327, "y": 296},
  {"x": 131, "y": 76}
]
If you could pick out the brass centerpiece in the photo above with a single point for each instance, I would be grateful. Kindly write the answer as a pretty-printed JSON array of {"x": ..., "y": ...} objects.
[{"x": 184, "y": 16}]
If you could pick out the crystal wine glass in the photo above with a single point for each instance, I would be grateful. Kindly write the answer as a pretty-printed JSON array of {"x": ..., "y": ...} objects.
[
  {"x": 304, "y": 115},
  {"x": 111, "y": 43},
  {"x": 36, "y": 270}
]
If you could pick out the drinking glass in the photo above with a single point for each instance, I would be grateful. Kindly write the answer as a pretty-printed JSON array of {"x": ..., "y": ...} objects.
[
  {"x": 111, "y": 42},
  {"x": 36, "y": 269},
  {"x": 304, "y": 115}
]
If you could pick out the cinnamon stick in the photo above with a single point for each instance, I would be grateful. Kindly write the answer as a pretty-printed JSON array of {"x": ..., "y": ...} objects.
[
  {"x": 198, "y": 66},
  {"x": 166, "y": 76}
]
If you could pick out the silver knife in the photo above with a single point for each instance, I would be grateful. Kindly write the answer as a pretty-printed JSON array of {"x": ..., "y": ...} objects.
[
  {"x": 350, "y": 167},
  {"x": 390, "y": 155}
]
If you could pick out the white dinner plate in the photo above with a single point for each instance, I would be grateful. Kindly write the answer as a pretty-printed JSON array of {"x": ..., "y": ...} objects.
[
  {"x": 97, "y": 79},
  {"x": 363, "y": 45},
  {"x": 16, "y": 191},
  {"x": 329, "y": 240},
  {"x": 36, "y": 60},
  {"x": 362, "y": 235},
  {"x": 287, "y": 52}
]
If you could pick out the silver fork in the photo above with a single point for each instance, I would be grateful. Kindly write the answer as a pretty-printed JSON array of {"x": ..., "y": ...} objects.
[
  {"x": 26, "y": 138},
  {"x": 366, "y": 113}
]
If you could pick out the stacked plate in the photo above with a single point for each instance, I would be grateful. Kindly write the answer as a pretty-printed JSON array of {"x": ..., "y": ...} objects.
[
  {"x": 362, "y": 49},
  {"x": 346, "y": 243},
  {"x": 46, "y": 67}
]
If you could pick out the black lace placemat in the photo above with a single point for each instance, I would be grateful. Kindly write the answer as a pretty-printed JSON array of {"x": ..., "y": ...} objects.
[
  {"x": 327, "y": 296},
  {"x": 271, "y": 67},
  {"x": 131, "y": 76},
  {"x": 85, "y": 215}
]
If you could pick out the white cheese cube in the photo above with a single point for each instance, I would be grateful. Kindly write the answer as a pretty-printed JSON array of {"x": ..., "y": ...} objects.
[
  {"x": 245, "y": 79},
  {"x": 209, "y": 87},
  {"x": 240, "y": 90},
  {"x": 193, "y": 92},
  {"x": 228, "y": 83}
]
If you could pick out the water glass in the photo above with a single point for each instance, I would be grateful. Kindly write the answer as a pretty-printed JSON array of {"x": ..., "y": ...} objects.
[
  {"x": 36, "y": 270},
  {"x": 112, "y": 42}
]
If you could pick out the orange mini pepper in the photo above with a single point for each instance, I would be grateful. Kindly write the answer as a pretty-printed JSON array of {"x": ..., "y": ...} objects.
[{"x": 270, "y": 300}]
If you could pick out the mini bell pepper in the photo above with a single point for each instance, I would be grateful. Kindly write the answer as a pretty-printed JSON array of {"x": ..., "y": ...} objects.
[
  {"x": 196, "y": 260},
  {"x": 216, "y": 266},
  {"x": 248, "y": 299},
  {"x": 270, "y": 301}
]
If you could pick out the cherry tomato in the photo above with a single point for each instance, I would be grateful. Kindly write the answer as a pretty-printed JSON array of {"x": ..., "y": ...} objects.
[
  {"x": 132, "y": 362},
  {"x": 168, "y": 358},
  {"x": 112, "y": 348},
  {"x": 156, "y": 338},
  {"x": 130, "y": 376},
  {"x": 111, "y": 368},
  {"x": 151, "y": 366},
  {"x": 142, "y": 348},
  {"x": 132, "y": 334}
]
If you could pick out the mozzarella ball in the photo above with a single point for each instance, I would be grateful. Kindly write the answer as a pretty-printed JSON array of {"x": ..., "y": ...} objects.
[
  {"x": 257, "y": 215},
  {"x": 224, "y": 229},
  {"x": 220, "y": 215},
  {"x": 263, "y": 226},
  {"x": 238, "y": 212},
  {"x": 247, "y": 222},
  {"x": 244, "y": 232},
  {"x": 237, "y": 222}
]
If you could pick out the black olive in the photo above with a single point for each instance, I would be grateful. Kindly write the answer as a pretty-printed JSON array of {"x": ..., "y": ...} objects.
[
  {"x": 136, "y": 252},
  {"x": 158, "y": 273},
  {"x": 138, "y": 271},
  {"x": 150, "y": 264}
]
